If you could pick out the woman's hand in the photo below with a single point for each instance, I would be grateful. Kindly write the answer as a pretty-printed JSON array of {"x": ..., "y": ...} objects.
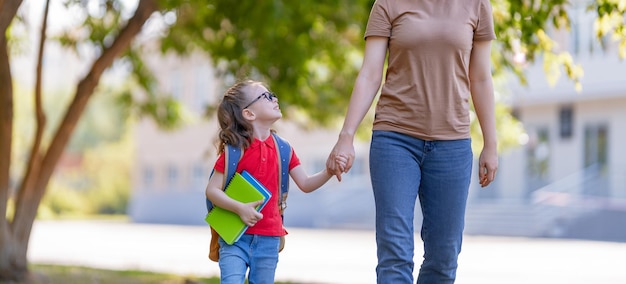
[
  {"x": 340, "y": 158},
  {"x": 487, "y": 166}
]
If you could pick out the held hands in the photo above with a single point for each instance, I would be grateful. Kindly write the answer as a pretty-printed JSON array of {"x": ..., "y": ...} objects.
[
  {"x": 340, "y": 158},
  {"x": 340, "y": 162},
  {"x": 248, "y": 214}
]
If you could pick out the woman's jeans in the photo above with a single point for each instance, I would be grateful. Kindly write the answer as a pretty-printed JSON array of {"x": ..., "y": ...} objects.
[
  {"x": 403, "y": 168},
  {"x": 259, "y": 253}
]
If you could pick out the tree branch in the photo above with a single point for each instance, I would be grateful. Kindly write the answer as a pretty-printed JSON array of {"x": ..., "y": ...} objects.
[
  {"x": 29, "y": 198},
  {"x": 34, "y": 162}
]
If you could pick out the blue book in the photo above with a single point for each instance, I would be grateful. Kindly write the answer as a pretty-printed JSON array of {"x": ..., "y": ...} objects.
[
  {"x": 259, "y": 186},
  {"x": 243, "y": 188}
]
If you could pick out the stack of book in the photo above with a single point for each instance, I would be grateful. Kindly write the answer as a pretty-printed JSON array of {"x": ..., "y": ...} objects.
[{"x": 243, "y": 188}]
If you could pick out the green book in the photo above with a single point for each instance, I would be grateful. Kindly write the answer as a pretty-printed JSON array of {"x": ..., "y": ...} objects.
[{"x": 243, "y": 188}]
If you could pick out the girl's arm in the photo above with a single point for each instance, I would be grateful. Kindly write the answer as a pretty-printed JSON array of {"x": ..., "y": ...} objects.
[
  {"x": 246, "y": 211},
  {"x": 308, "y": 183},
  {"x": 481, "y": 85}
]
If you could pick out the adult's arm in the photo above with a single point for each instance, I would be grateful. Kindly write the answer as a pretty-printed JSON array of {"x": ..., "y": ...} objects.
[
  {"x": 365, "y": 89},
  {"x": 481, "y": 87}
]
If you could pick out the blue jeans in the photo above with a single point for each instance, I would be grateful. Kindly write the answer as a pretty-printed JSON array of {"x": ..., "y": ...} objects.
[
  {"x": 402, "y": 168},
  {"x": 259, "y": 253}
]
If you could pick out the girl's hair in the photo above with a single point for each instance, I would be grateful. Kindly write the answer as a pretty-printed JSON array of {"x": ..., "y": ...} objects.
[{"x": 234, "y": 129}]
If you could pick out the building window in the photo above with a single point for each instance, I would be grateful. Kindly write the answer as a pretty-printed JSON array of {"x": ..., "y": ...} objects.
[
  {"x": 566, "y": 121},
  {"x": 172, "y": 176},
  {"x": 596, "y": 145}
]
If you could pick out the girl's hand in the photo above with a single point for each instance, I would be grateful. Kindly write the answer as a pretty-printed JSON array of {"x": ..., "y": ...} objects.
[
  {"x": 343, "y": 151},
  {"x": 341, "y": 162},
  {"x": 248, "y": 213}
]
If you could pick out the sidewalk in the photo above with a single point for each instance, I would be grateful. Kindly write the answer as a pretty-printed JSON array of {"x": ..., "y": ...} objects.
[{"x": 321, "y": 256}]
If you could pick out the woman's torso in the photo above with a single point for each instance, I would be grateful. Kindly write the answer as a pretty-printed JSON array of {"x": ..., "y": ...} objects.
[{"x": 426, "y": 91}]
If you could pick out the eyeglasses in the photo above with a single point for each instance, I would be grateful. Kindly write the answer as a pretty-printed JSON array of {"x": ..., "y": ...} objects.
[{"x": 267, "y": 95}]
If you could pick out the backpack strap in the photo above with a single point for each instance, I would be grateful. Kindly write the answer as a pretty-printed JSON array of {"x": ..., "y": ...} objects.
[
  {"x": 232, "y": 155},
  {"x": 284, "y": 157}
]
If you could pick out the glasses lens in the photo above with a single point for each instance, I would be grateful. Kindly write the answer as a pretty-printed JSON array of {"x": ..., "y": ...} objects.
[{"x": 269, "y": 96}]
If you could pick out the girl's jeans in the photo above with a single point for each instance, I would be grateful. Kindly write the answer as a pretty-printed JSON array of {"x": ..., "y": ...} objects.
[
  {"x": 402, "y": 169},
  {"x": 259, "y": 253}
]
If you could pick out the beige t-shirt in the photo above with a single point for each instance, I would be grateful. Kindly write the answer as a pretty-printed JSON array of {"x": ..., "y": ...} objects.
[{"x": 427, "y": 89}]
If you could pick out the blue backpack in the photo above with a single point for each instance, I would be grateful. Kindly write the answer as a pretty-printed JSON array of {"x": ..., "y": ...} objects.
[{"x": 232, "y": 156}]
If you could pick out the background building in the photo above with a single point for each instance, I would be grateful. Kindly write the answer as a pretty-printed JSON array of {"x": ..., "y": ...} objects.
[
  {"x": 566, "y": 179},
  {"x": 569, "y": 178},
  {"x": 172, "y": 167}
]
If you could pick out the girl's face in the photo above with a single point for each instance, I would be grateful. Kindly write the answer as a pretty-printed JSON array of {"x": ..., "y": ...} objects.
[{"x": 263, "y": 103}]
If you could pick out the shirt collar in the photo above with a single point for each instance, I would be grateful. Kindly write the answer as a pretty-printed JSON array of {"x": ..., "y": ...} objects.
[{"x": 269, "y": 142}]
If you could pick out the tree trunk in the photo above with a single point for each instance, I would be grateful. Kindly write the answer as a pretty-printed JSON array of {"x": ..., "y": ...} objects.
[
  {"x": 6, "y": 130},
  {"x": 14, "y": 247},
  {"x": 8, "y": 9}
]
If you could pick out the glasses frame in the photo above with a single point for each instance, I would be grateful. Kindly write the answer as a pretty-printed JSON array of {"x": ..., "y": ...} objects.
[{"x": 267, "y": 95}]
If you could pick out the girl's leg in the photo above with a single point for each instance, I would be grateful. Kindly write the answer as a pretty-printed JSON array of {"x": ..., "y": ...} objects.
[
  {"x": 234, "y": 260},
  {"x": 263, "y": 259},
  {"x": 446, "y": 174},
  {"x": 395, "y": 174}
]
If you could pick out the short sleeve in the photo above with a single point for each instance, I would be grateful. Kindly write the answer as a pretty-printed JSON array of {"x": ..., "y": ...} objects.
[
  {"x": 219, "y": 163},
  {"x": 295, "y": 161},
  {"x": 485, "y": 29},
  {"x": 379, "y": 23}
]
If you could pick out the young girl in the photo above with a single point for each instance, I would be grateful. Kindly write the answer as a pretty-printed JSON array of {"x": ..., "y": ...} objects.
[{"x": 246, "y": 115}]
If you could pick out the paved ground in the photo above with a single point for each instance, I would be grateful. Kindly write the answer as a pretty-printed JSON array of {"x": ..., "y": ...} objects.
[{"x": 322, "y": 256}]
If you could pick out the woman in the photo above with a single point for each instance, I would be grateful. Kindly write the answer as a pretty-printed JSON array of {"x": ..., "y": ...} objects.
[{"x": 439, "y": 56}]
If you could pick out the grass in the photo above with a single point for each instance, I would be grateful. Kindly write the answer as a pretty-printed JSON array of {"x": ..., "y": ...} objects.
[{"x": 58, "y": 274}]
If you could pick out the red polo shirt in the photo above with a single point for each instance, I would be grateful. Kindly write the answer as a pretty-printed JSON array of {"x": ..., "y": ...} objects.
[{"x": 261, "y": 161}]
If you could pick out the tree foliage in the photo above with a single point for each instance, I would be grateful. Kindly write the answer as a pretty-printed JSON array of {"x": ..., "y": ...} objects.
[
  {"x": 308, "y": 51},
  {"x": 524, "y": 28}
]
